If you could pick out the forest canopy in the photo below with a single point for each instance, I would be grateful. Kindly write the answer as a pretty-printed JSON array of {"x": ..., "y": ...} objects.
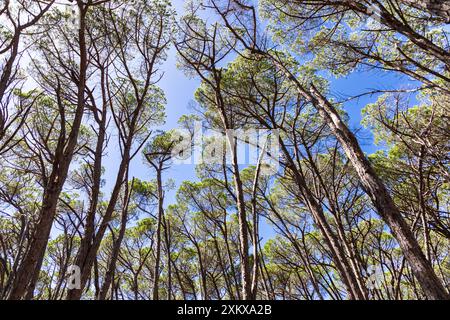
[{"x": 299, "y": 192}]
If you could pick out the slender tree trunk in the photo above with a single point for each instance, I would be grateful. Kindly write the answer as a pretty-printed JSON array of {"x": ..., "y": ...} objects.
[
  {"x": 422, "y": 206},
  {"x": 155, "y": 293},
  {"x": 255, "y": 233},
  {"x": 92, "y": 252},
  {"x": 117, "y": 244},
  {"x": 223, "y": 267},
  {"x": 204, "y": 287},
  {"x": 338, "y": 253},
  {"x": 166, "y": 226},
  {"x": 246, "y": 282},
  {"x": 86, "y": 240},
  {"x": 230, "y": 259}
]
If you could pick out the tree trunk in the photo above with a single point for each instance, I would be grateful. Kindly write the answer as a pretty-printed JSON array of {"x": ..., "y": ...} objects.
[
  {"x": 155, "y": 293},
  {"x": 117, "y": 244},
  {"x": 246, "y": 282},
  {"x": 92, "y": 252},
  {"x": 338, "y": 253}
]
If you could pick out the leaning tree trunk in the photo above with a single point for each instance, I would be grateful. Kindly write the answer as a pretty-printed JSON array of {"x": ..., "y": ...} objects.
[
  {"x": 116, "y": 248},
  {"x": 332, "y": 241}
]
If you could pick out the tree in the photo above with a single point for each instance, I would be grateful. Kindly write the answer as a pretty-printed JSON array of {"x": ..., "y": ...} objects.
[
  {"x": 134, "y": 99},
  {"x": 236, "y": 16}
]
